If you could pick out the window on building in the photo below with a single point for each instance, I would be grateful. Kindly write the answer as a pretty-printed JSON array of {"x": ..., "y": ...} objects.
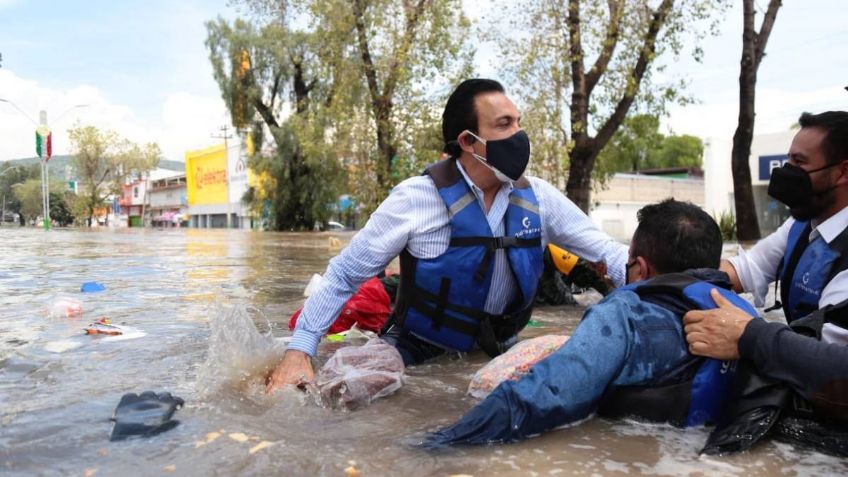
[{"x": 135, "y": 192}]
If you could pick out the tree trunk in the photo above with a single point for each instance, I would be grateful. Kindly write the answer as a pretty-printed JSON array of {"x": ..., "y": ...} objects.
[
  {"x": 753, "y": 48},
  {"x": 579, "y": 185},
  {"x": 747, "y": 226},
  {"x": 385, "y": 143}
]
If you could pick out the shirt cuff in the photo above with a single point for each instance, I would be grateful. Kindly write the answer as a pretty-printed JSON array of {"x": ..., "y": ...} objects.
[
  {"x": 305, "y": 341},
  {"x": 758, "y": 289}
]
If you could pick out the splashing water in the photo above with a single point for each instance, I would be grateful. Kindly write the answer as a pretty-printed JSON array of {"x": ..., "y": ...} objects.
[{"x": 239, "y": 356}]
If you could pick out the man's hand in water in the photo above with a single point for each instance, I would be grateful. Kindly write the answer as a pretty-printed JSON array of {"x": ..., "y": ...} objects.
[{"x": 295, "y": 369}]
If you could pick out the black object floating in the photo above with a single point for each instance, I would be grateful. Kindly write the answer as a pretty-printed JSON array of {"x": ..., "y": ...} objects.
[{"x": 144, "y": 414}]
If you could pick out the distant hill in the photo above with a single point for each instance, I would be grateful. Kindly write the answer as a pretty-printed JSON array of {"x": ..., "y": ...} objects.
[{"x": 61, "y": 165}]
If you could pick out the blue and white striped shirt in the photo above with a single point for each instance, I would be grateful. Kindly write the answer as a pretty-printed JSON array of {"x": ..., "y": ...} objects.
[{"x": 414, "y": 217}]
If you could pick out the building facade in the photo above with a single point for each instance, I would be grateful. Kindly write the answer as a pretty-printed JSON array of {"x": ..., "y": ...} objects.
[
  {"x": 168, "y": 202},
  {"x": 216, "y": 180},
  {"x": 768, "y": 151}
]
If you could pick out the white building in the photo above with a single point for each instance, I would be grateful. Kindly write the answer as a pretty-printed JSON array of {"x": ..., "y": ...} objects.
[
  {"x": 767, "y": 152},
  {"x": 614, "y": 208},
  {"x": 217, "y": 179}
]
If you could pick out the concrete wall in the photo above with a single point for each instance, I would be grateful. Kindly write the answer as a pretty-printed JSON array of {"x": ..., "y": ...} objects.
[
  {"x": 614, "y": 208},
  {"x": 172, "y": 197}
]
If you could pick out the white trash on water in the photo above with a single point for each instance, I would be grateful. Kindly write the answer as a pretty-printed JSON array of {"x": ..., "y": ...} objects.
[{"x": 65, "y": 307}]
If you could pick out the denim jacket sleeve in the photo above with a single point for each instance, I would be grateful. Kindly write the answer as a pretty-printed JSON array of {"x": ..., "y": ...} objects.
[{"x": 609, "y": 347}]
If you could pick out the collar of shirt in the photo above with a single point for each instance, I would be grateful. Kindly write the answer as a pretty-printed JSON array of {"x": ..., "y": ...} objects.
[
  {"x": 478, "y": 192},
  {"x": 832, "y": 227}
]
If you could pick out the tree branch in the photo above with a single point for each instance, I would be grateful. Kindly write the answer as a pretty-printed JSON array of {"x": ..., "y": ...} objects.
[
  {"x": 646, "y": 55},
  {"x": 275, "y": 88},
  {"x": 399, "y": 56},
  {"x": 365, "y": 52},
  {"x": 761, "y": 38},
  {"x": 609, "y": 44},
  {"x": 579, "y": 100},
  {"x": 265, "y": 112}
]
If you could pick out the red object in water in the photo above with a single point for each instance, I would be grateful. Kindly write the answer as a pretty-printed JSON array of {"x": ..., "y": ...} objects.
[{"x": 369, "y": 309}]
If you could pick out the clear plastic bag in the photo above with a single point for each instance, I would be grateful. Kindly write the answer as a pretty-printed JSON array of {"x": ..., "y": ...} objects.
[
  {"x": 513, "y": 364},
  {"x": 65, "y": 307},
  {"x": 356, "y": 375}
]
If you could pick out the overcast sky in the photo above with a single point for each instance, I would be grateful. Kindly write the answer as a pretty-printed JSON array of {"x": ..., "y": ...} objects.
[{"x": 143, "y": 69}]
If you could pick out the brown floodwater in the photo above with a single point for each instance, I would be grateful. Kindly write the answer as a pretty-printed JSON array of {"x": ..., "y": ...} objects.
[{"x": 210, "y": 308}]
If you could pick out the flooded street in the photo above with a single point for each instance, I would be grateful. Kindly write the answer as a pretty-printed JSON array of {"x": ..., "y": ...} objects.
[{"x": 199, "y": 296}]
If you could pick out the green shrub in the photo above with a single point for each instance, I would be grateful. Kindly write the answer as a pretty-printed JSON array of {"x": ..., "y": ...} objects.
[{"x": 727, "y": 225}]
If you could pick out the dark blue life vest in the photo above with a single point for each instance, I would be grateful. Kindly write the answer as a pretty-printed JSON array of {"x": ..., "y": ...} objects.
[
  {"x": 806, "y": 268},
  {"x": 441, "y": 300},
  {"x": 698, "y": 389}
]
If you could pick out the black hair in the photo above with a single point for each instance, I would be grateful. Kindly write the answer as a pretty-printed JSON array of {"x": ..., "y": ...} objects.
[
  {"x": 460, "y": 113},
  {"x": 835, "y": 124},
  {"x": 675, "y": 236}
]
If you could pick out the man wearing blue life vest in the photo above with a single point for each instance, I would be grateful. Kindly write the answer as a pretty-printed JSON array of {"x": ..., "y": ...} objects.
[
  {"x": 628, "y": 356},
  {"x": 470, "y": 234},
  {"x": 809, "y": 256}
]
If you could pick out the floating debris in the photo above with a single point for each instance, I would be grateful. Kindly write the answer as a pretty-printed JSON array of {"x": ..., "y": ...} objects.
[
  {"x": 260, "y": 446},
  {"x": 60, "y": 346},
  {"x": 66, "y": 307},
  {"x": 210, "y": 437}
]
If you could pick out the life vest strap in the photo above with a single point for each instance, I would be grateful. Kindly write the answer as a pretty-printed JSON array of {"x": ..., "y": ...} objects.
[{"x": 492, "y": 244}]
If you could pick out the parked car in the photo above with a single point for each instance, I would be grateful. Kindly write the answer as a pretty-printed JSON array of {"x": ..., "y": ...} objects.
[{"x": 335, "y": 226}]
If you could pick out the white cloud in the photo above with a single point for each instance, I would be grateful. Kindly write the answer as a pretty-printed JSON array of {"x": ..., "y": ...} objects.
[
  {"x": 186, "y": 120},
  {"x": 8, "y": 3},
  {"x": 189, "y": 121}
]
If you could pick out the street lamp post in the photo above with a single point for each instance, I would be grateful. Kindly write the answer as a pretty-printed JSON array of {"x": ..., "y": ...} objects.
[{"x": 44, "y": 149}]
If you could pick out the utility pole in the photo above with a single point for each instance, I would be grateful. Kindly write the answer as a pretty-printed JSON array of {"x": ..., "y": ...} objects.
[
  {"x": 225, "y": 135},
  {"x": 44, "y": 148}
]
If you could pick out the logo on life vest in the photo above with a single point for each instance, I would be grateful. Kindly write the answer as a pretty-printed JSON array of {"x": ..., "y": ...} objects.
[
  {"x": 806, "y": 278},
  {"x": 526, "y": 223}
]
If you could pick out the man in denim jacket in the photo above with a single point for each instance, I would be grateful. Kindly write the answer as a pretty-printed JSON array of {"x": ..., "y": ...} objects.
[{"x": 630, "y": 343}]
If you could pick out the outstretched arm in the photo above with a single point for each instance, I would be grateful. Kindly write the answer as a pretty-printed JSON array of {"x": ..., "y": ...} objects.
[{"x": 563, "y": 388}]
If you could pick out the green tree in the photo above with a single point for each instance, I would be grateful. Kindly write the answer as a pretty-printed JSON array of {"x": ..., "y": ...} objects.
[
  {"x": 12, "y": 175},
  {"x": 61, "y": 205},
  {"x": 582, "y": 65},
  {"x": 272, "y": 80},
  {"x": 104, "y": 162},
  {"x": 401, "y": 49},
  {"x": 338, "y": 87},
  {"x": 681, "y": 151},
  {"x": 29, "y": 195},
  {"x": 635, "y": 146},
  {"x": 639, "y": 145}
]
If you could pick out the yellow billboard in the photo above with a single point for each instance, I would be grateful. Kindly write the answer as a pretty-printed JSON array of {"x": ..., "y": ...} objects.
[{"x": 206, "y": 176}]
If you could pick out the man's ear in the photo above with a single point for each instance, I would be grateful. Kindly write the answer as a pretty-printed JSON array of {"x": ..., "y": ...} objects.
[
  {"x": 465, "y": 141},
  {"x": 843, "y": 178},
  {"x": 646, "y": 270}
]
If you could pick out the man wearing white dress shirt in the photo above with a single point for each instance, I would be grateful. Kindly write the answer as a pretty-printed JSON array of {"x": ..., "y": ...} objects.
[
  {"x": 809, "y": 255},
  {"x": 470, "y": 234}
]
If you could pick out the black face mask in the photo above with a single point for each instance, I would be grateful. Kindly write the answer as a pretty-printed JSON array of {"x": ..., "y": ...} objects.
[
  {"x": 792, "y": 186},
  {"x": 508, "y": 156}
]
